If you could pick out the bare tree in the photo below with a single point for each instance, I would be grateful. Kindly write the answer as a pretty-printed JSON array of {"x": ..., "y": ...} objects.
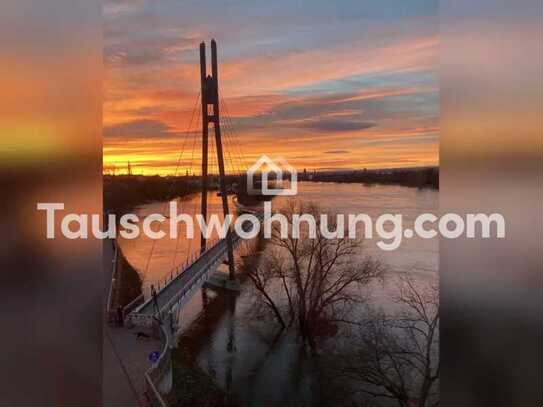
[
  {"x": 262, "y": 278},
  {"x": 397, "y": 358},
  {"x": 315, "y": 277}
]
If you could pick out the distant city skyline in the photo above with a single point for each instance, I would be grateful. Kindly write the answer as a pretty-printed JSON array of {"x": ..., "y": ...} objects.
[{"x": 327, "y": 86}]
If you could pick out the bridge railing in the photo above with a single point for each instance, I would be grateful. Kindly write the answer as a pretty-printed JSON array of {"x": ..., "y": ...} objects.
[
  {"x": 158, "y": 371},
  {"x": 139, "y": 318},
  {"x": 132, "y": 305},
  {"x": 179, "y": 269},
  {"x": 111, "y": 316},
  {"x": 176, "y": 271},
  {"x": 194, "y": 280},
  {"x": 164, "y": 283}
]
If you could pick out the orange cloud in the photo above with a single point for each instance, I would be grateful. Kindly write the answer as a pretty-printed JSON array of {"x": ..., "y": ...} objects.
[{"x": 272, "y": 113}]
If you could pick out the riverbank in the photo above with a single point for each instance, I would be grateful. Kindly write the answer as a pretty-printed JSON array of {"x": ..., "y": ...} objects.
[
  {"x": 192, "y": 386},
  {"x": 122, "y": 193},
  {"x": 128, "y": 283},
  {"x": 198, "y": 387},
  {"x": 234, "y": 345},
  {"x": 408, "y": 177}
]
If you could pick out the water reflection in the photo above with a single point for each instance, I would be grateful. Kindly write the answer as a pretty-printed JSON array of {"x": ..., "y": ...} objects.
[
  {"x": 246, "y": 358},
  {"x": 155, "y": 260}
]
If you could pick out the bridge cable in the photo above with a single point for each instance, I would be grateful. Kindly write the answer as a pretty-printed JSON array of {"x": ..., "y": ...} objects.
[
  {"x": 234, "y": 159},
  {"x": 229, "y": 132},
  {"x": 227, "y": 147},
  {"x": 194, "y": 135},
  {"x": 235, "y": 149},
  {"x": 195, "y": 202},
  {"x": 191, "y": 171},
  {"x": 173, "y": 180},
  {"x": 236, "y": 135}
]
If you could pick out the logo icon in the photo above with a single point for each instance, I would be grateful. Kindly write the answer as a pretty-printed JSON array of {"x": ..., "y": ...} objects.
[{"x": 279, "y": 167}]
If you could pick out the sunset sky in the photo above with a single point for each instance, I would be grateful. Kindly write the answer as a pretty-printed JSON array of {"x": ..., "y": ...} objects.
[{"x": 327, "y": 85}]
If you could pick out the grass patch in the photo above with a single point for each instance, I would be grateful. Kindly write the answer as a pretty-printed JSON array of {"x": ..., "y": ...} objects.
[
  {"x": 129, "y": 285},
  {"x": 192, "y": 386}
]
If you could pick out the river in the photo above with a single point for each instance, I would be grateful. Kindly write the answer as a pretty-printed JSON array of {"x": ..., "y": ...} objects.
[{"x": 237, "y": 351}]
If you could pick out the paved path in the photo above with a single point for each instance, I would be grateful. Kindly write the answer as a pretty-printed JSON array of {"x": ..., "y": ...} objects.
[{"x": 124, "y": 358}]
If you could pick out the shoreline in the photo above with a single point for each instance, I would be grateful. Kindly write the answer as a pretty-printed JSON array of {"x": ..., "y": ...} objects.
[{"x": 191, "y": 382}]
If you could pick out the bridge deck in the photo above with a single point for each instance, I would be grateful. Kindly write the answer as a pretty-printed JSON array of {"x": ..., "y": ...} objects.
[
  {"x": 180, "y": 282},
  {"x": 186, "y": 280}
]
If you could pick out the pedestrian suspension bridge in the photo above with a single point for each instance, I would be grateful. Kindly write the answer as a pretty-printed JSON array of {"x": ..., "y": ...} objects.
[{"x": 185, "y": 279}]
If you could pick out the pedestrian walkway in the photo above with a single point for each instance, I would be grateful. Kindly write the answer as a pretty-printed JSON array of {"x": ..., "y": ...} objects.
[{"x": 124, "y": 357}]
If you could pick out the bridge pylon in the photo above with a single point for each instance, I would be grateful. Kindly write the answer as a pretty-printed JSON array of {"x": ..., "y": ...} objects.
[{"x": 210, "y": 97}]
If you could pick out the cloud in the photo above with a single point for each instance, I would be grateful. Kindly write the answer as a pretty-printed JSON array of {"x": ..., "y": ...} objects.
[
  {"x": 139, "y": 129},
  {"x": 132, "y": 38},
  {"x": 346, "y": 82},
  {"x": 144, "y": 51},
  {"x": 337, "y": 125},
  {"x": 359, "y": 109}
]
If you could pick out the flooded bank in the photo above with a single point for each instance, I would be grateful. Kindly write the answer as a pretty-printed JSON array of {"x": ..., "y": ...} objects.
[{"x": 236, "y": 346}]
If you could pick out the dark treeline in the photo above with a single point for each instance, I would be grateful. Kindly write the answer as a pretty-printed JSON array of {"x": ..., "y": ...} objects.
[
  {"x": 123, "y": 192},
  {"x": 411, "y": 177}
]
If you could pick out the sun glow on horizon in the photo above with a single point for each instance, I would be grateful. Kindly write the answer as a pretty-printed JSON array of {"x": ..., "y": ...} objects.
[{"x": 331, "y": 102}]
